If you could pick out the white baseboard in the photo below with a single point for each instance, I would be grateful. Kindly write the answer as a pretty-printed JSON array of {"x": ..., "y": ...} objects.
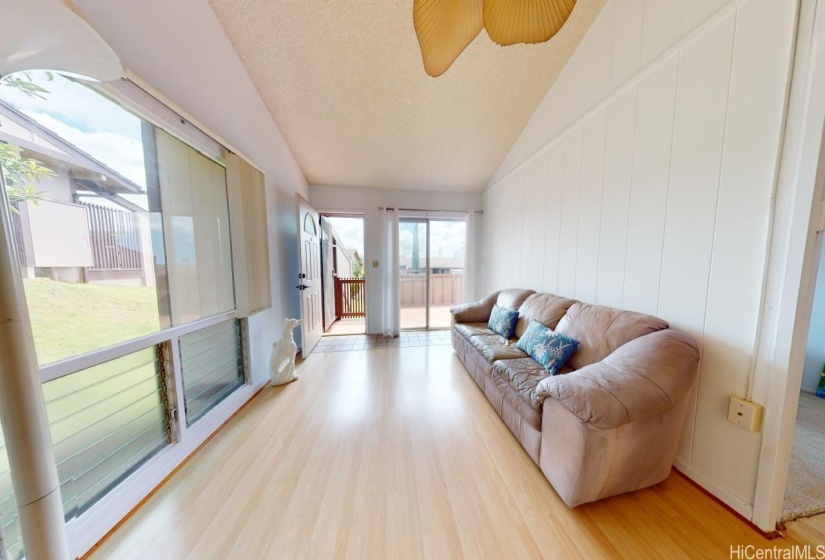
[
  {"x": 89, "y": 529},
  {"x": 733, "y": 501}
]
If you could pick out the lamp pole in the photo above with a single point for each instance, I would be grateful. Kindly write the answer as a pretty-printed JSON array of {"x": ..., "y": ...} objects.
[{"x": 23, "y": 412}]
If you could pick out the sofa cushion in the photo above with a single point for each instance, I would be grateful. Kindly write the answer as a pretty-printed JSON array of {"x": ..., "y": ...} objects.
[
  {"x": 549, "y": 348},
  {"x": 600, "y": 330},
  {"x": 472, "y": 329},
  {"x": 517, "y": 380},
  {"x": 643, "y": 378},
  {"x": 474, "y": 312},
  {"x": 513, "y": 298},
  {"x": 503, "y": 321},
  {"x": 547, "y": 309},
  {"x": 494, "y": 347},
  {"x": 523, "y": 374}
]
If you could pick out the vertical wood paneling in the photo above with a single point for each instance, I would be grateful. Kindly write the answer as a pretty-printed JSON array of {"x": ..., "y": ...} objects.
[
  {"x": 694, "y": 177},
  {"x": 516, "y": 221},
  {"x": 540, "y": 222},
  {"x": 490, "y": 276},
  {"x": 740, "y": 235},
  {"x": 648, "y": 195},
  {"x": 498, "y": 215},
  {"x": 618, "y": 166},
  {"x": 555, "y": 168},
  {"x": 668, "y": 215},
  {"x": 528, "y": 216},
  {"x": 662, "y": 27},
  {"x": 599, "y": 48},
  {"x": 569, "y": 223},
  {"x": 627, "y": 41},
  {"x": 507, "y": 260},
  {"x": 590, "y": 205},
  {"x": 697, "y": 11}
]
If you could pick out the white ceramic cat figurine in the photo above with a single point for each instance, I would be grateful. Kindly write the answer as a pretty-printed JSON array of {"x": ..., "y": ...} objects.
[{"x": 282, "y": 363}]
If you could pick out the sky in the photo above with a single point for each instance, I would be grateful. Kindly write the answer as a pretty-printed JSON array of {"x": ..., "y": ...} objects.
[
  {"x": 86, "y": 119},
  {"x": 351, "y": 232},
  {"x": 446, "y": 237}
]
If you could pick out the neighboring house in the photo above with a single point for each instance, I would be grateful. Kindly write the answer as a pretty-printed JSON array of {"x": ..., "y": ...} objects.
[
  {"x": 342, "y": 258},
  {"x": 81, "y": 229},
  {"x": 337, "y": 263},
  {"x": 438, "y": 265}
]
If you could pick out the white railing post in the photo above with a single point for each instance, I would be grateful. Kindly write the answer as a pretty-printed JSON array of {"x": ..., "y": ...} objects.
[{"x": 23, "y": 412}]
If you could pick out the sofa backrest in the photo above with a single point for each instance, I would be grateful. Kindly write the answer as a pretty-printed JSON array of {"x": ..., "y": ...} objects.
[
  {"x": 513, "y": 298},
  {"x": 547, "y": 309},
  {"x": 600, "y": 330}
]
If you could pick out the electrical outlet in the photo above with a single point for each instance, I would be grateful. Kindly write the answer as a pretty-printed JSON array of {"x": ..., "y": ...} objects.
[
  {"x": 745, "y": 414},
  {"x": 375, "y": 264}
]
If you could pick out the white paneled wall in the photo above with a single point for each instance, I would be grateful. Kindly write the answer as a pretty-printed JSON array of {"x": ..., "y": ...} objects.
[{"x": 644, "y": 181}]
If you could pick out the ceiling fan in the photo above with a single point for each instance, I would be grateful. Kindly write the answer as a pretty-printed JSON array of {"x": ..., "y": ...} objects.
[{"x": 445, "y": 27}]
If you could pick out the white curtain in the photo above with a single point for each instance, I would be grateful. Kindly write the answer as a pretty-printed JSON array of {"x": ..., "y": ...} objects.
[
  {"x": 470, "y": 253},
  {"x": 391, "y": 320}
]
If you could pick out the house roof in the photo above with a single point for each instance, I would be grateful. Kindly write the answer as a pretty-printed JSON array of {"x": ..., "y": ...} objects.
[
  {"x": 49, "y": 148},
  {"x": 435, "y": 262}
]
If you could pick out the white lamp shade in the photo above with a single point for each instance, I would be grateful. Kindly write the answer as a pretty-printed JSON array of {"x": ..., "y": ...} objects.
[{"x": 48, "y": 35}]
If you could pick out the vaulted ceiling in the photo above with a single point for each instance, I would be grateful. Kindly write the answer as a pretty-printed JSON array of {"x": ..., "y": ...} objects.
[{"x": 345, "y": 83}]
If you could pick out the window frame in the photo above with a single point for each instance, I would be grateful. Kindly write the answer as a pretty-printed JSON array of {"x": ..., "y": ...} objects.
[
  {"x": 92, "y": 525},
  {"x": 138, "y": 100},
  {"x": 62, "y": 368}
]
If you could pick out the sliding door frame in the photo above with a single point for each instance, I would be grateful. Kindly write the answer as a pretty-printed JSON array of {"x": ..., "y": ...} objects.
[{"x": 426, "y": 222}]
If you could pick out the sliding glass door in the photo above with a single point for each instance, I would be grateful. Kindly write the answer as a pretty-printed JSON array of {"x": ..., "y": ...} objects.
[
  {"x": 446, "y": 272},
  {"x": 431, "y": 260},
  {"x": 413, "y": 258}
]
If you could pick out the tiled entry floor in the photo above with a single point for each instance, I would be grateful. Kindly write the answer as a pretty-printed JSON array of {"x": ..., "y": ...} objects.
[{"x": 372, "y": 341}]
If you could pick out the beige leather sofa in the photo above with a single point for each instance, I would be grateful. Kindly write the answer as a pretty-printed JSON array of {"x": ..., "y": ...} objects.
[{"x": 610, "y": 421}]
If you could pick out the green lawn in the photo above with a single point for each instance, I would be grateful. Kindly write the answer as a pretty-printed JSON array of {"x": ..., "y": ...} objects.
[{"x": 72, "y": 319}]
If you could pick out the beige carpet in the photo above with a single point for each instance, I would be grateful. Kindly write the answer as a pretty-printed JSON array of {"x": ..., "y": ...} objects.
[{"x": 805, "y": 494}]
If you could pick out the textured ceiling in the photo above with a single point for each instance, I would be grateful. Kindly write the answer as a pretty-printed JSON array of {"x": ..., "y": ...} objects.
[{"x": 344, "y": 81}]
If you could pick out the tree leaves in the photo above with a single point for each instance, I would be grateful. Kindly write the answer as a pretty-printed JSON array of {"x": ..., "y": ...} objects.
[
  {"x": 22, "y": 173},
  {"x": 24, "y": 82}
]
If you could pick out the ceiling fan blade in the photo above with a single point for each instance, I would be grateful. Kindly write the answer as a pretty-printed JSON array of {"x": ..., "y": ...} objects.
[
  {"x": 444, "y": 29},
  {"x": 525, "y": 21}
]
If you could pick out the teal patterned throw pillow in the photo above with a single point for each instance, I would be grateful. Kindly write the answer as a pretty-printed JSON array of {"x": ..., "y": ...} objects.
[
  {"x": 549, "y": 348},
  {"x": 503, "y": 321}
]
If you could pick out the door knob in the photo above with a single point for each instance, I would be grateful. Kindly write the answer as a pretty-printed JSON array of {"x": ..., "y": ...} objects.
[{"x": 302, "y": 287}]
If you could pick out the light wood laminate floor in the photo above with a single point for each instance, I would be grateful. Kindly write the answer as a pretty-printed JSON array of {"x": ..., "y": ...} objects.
[{"x": 396, "y": 454}]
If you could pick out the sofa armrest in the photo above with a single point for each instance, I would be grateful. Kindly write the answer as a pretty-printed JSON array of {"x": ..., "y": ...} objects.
[
  {"x": 475, "y": 312},
  {"x": 644, "y": 377}
]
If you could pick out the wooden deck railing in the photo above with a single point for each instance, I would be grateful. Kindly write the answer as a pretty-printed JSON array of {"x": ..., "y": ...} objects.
[
  {"x": 115, "y": 239},
  {"x": 445, "y": 289},
  {"x": 350, "y": 299}
]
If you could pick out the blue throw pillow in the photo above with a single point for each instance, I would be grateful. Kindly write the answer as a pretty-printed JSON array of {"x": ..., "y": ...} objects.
[
  {"x": 549, "y": 348},
  {"x": 503, "y": 321}
]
